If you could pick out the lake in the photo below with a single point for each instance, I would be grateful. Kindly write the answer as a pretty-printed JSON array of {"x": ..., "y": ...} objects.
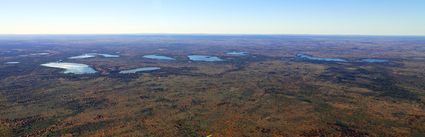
[
  {"x": 204, "y": 58},
  {"x": 159, "y": 57},
  {"x": 39, "y": 54},
  {"x": 367, "y": 60},
  {"x": 71, "y": 68},
  {"x": 237, "y": 53},
  {"x": 92, "y": 55},
  {"x": 139, "y": 70},
  {"x": 374, "y": 60},
  {"x": 12, "y": 62},
  {"x": 309, "y": 57}
]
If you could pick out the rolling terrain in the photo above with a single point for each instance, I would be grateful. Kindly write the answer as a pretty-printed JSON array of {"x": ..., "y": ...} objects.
[{"x": 283, "y": 85}]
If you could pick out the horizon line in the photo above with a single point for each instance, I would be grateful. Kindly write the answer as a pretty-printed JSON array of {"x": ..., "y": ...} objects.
[{"x": 216, "y": 34}]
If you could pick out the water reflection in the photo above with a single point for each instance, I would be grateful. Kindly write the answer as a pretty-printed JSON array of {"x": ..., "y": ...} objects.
[
  {"x": 12, "y": 62},
  {"x": 158, "y": 57},
  {"x": 374, "y": 60},
  {"x": 71, "y": 68},
  {"x": 139, "y": 70},
  {"x": 237, "y": 53},
  {"x": 204, "y": 58},
  {"x": 92, "y": 55},
  {"x": 309, "y": 57},
  {"x": 367, "y": 60}
]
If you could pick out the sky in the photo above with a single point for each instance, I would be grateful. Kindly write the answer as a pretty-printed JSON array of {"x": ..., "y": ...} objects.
[{"x": 343, "y": 17}]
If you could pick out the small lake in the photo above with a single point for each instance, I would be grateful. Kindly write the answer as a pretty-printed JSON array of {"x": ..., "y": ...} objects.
[
  {"x": 374, "y": 60},
  {"x": 35, "y": 54},
  {"x": 237, "y": 53},
  {"x": 309, "y": 57},
  {"x": 39, "y": 54},
  {"x": 71, "y": 68},
  {"x": 92, "y": 55},
  {"x": 204, "y": 58},
  {"x": 139, "y": 70},
  {"x": 12, "y": 62},
  {"x": 159, "y": 57}
]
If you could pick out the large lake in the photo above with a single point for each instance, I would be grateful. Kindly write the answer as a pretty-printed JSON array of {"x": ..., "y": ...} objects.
[
  {"x": 367, "y": 60},
  {"x": 240, "y": 53},
  {"x": 159, "y": 57},
  {"x": 39, "y": 54},
  {"x": 309, "y": 57},
  {"x": 139, "y": 70},
  {"x": 71, "y": 68},
  {"x": 204, "y": 58},
  {"x": 92, "y": 55},
  {"x": 12, "y": 62},
  {"x": 374, "y": 60}
]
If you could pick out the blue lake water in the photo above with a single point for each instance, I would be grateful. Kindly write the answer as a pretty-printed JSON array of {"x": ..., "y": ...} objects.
[
  {"x": 368, "y": 60},
  {"x": 71, "y": 68},
  {"x": 236, "y": 53},
  {"x": 374, "y": 60},
  {"x": 159, "y": 57},
  {"x": 39, "y": 54},
  {"x": 12, "y": 62},
  {"x": 204, "y": 58},
  {"x": 109, "y": 55},
  {"x": 139, "y": 70},
  {"x": 309, "y": 57},
  {"x": 92, "y": 55},
  {"x": 35, "y": 54}
]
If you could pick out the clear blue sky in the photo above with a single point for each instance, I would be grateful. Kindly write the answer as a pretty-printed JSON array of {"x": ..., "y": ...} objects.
[{"x": 366, "y": 17}]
